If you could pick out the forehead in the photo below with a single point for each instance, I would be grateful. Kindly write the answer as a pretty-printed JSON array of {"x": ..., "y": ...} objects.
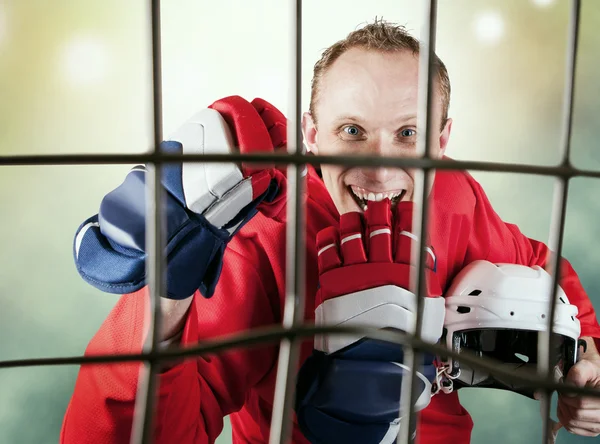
[{"x": 369, "y": 81}]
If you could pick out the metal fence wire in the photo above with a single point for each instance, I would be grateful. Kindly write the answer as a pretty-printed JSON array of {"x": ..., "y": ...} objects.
[{"x": 293, "y": 329}]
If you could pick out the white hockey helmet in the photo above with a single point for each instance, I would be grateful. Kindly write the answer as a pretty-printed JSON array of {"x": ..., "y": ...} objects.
[{"x": 497, "y": 310}]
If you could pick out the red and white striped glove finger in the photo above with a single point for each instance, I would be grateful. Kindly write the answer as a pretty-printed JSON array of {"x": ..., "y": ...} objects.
[
  {"x": 328, "y": 243},
  {"x": 274, "y": 120},
  {"x": 379, "y": 231},
  {"x": 352, "y": 247},
  {"x": 406, "y": 240},
  {"x": 406, "y": 243}
]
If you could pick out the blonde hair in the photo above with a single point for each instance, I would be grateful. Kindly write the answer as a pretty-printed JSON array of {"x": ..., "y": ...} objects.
[{"x": 378, "y": 36}]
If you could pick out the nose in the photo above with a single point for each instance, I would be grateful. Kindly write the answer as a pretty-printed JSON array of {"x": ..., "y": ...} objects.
[
  {"x": 381, "y": 148},
  {"x": 380, "y": 174}
]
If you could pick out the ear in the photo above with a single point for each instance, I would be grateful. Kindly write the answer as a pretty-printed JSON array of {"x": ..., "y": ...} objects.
[
  {"x": 445, "y": 136},
  {"x": 309, "y": 131}
]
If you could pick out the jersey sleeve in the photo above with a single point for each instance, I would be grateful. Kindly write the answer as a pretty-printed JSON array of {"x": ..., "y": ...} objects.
[
  {"x": 497, "y": 241},
  {"x": 194, "y": 396}
]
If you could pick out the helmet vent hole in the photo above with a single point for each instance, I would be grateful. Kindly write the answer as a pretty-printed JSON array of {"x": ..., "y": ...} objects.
[
  {"x": 562, "y": 300},
  {"x": 512, "y": 313},
  {"x": 543, "y": 316},
  {"x": 572, "y": 318},
  {"x": 523, "y": 358},
  {"x": 475, "y": 293},
  {"x": 463, "y": 309}
]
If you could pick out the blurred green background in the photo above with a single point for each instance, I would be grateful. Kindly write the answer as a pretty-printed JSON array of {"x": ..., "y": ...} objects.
[{"x": 75, "y": 78}]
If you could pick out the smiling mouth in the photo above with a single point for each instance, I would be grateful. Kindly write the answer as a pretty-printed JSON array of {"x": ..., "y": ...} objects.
[{"x": 362, "y": 196}]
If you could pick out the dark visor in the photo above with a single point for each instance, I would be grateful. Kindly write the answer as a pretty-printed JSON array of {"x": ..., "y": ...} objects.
[
  {"x": 511, "y": 346},
  {"x": 515, "y": 347}
]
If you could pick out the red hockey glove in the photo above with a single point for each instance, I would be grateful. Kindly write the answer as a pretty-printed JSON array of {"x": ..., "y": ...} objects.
[
  {"x": 349, "y": 390},
  {"x": 374, "y": 253},
  {"x": 258, "y": 127}
]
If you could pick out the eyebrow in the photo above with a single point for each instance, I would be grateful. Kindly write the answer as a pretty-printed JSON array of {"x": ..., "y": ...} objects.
[
  {"x": 348, "y": 117},
  {"x": 356, "y": 118}
]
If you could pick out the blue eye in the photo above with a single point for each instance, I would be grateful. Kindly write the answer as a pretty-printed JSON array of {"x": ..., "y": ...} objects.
[
  {"x": 351, "y": 130},
  {"x": 408, "y": 132}
]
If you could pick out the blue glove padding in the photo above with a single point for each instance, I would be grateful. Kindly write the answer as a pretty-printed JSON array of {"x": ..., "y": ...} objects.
[
  {"x": 109, "y": 248},
  {"x": 353, "y": 395}
]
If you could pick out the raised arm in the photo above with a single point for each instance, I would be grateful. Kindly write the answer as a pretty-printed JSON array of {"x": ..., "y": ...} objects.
[
  {"x": 212, "y": 289},
  {"x": 498, "y": 241}
]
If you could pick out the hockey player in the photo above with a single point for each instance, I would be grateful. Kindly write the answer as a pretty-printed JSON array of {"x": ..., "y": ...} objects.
[{"x": 232, "y": 226}]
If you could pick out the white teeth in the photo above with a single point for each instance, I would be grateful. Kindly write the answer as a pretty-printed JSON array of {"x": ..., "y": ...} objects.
[
  {"x": 358, "y": 192},
  {"x": 363, "y": 195}
]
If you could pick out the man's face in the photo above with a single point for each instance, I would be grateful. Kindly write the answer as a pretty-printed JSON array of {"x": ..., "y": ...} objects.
[{"x": 367, "y": 105}]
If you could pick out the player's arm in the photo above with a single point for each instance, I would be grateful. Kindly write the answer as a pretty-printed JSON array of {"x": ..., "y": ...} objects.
[
  {"x": 497, "y": 241},
  {"x": 193, "y": 396},
  {"x": 205, "y": 207},
  {"x": 494, "y": 240}
]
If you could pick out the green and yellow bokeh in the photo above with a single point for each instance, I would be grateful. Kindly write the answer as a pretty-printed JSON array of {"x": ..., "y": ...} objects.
[{"x": 75, "y": 77}]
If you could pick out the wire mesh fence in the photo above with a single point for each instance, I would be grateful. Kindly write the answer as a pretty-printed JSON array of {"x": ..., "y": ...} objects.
[{"x": 293, "y": 328}]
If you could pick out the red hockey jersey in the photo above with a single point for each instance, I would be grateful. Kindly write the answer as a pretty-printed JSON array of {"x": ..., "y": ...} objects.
[{"x": 195, "y": 396}]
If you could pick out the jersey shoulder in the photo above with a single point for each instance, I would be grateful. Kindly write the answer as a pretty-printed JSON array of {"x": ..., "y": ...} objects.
[{"x": 455, "y": 191}]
